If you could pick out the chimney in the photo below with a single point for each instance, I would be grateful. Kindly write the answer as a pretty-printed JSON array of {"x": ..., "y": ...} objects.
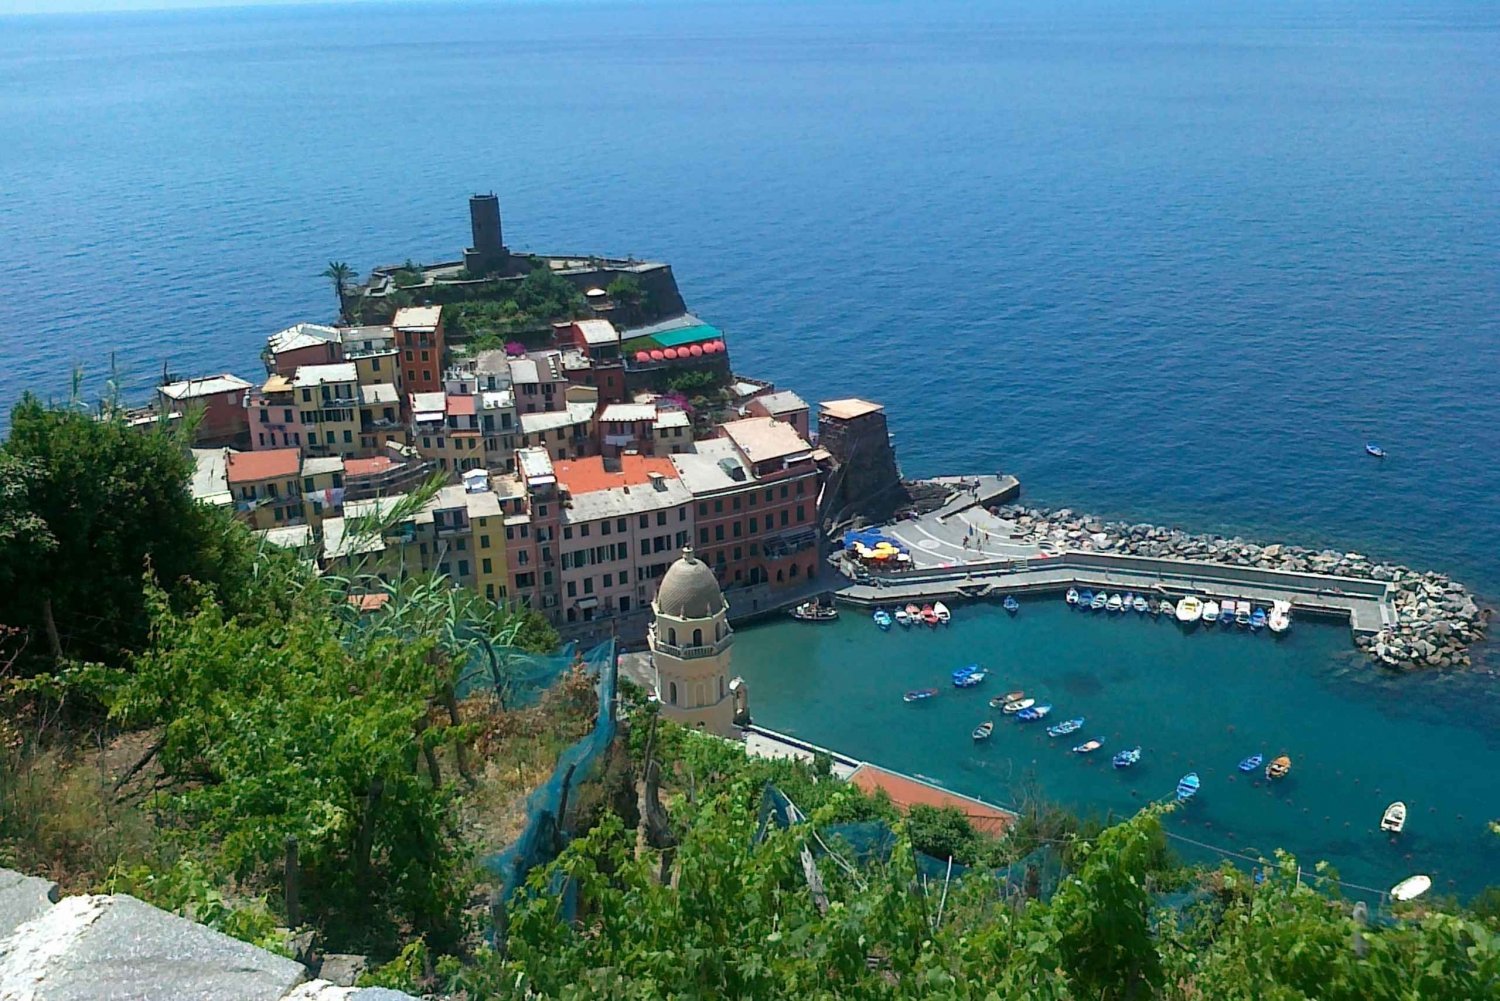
[{"x": 658, "y": 481}]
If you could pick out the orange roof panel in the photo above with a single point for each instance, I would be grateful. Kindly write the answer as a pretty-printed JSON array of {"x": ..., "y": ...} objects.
[
  {"x": 583, "y": 476},
  {"x": 267, "y": 464},
  {"x": 906, "y": 792}
]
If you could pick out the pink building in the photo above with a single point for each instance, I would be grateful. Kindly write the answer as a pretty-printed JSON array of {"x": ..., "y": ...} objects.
[
  {"x": 220, "y": 398},
  {"x": 304, "y": 344},
  {"x": 275, "y": 421}
]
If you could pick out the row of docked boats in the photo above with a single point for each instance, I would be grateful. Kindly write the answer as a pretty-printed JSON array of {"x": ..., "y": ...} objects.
[
  {"x": 936, "y": 614},
  {"x": 1191, "y": 609}
]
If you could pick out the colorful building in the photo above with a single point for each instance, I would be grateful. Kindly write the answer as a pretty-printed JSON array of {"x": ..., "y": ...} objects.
[
  {"x": 221, "y": 401},
  {"x": 422, "y": 347}
]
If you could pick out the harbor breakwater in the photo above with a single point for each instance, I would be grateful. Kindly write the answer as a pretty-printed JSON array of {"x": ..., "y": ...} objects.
[{"x": 1437, "y": 618}]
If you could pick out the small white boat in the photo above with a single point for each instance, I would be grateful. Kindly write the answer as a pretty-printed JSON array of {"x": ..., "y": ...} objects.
[
  {"x": 983, "y": 730},
  {"x": 941, "y": 611},
  {"x": 902, "y": 619},
  {"x": 1190, "y": 609},
  {"x": 1280, "y": 619},
  {"x": 1242, "y": 612},
  {"x": 1394, "y": 818},
  {"x": 1100, "y": 600},
  {"x": 1140, "y": 604},
  {"x": 1167, "y": 607},
  {"x": 1210, "y": 611},
  {"x": 1072, "y": 596},
  {"x": 1011, "y": 708},
  {"x": 1114, "y": 603},
  {"x": 1411, "y": 888}
]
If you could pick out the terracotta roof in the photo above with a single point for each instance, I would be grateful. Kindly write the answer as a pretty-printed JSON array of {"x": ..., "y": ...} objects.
[
  {"x": 369, "y": 602},
  {"x": 251, "y": 467},
  {"x": 461, "y": 406},
  {"x": 367, "y": 467},
  {"x": 847, "y": 410},
  {"x": 583, "y": 476},
  {"x": 907, "y": 792}
]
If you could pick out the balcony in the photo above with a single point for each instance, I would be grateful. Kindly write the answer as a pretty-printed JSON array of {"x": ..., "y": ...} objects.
[{"x": 689, "y": 652}]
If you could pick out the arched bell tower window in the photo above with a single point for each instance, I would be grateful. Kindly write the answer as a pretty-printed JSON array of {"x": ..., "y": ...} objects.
[
  {"x": 672, "y": 690},
  {"x": 697, "y": 637},
  {"x": 672, "y": 636}
]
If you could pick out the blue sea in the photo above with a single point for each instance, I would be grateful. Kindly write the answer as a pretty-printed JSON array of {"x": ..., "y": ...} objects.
[{"x": 1169, "y": 260}]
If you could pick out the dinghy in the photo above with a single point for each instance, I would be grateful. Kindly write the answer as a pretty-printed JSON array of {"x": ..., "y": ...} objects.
[
  {"x": 913, "y": 614},
  {"x": 965, "y": 671},
  {"x": 1034, "y": 713},
  {"x": 1210, "y": 611},
  {"x": 929, "y": 615},
  {"x": 1085, "y": 598},
  {"x": 941, "y": 611},
  {"x": 1127, "y": 601},
  {"x": 983, "y": 730},
  {"x": 882, "y": 619},
  {"x": 970, "y": 680},
  {"x": 1242, "y": 612},
  {"x": 1373, "y": 449},
  {"x": 1072, "y": 596},
  {"x": 1140, "y": 604},
  {"x": 1089, "y": 746},
  {"x": 1017, "y": 706},
  {"x": 919, "y": 695},
  {"x": 1187, "y": 788},
  {"x": 1280, "y": 618},
  {"x": 1280, "y": 768},
  {"x": 1411, "y": 888},
  {"x": 1114, "y": 603},
  {"x": 1065, "y": 727},
  {"x": 1251, "y": 763},
  {"x": 1257, "y": 618},
  {"x": 1394, "y": 818},
  {"x": 1127, "y": 758},
  {"x": 1168, "y": 607},
  {"x": 1010, "y": 604},
  {"x": 1100, "y": 600},
  {"x": 902, "y": 619},
  {"x": 1189, "y": 609},
  {"x": 811, "y": 611}
]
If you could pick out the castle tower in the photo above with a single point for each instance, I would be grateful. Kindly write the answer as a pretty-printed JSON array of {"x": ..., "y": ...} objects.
[
  {"x": 691, "y": 644},
  {"x": 488, "y": 253}
]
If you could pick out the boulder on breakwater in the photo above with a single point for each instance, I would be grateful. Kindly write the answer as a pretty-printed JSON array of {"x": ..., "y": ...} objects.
[{"x": 1437, "y": 618}]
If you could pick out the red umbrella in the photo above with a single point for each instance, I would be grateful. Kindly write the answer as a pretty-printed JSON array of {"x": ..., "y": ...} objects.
[
  {"x": 643, "y": 356},
  {"x": 671, "y": 352},
  {"x": 696, "y": 350},
  {"x": 656, "y": 355}
]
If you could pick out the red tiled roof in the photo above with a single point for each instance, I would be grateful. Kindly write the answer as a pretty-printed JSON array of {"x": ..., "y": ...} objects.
[
  {"x": 367, "y": 467},
  {"x": 583, "y": 476},
  {"x": 460, "y": 406},
  {"x": 267, "y": 464},
  {"x": 906, "y": 793},
  {"x": 369, "y": 602}
]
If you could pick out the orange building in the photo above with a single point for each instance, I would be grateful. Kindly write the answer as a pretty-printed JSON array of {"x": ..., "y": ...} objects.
[{"x": 421, "y": 347}]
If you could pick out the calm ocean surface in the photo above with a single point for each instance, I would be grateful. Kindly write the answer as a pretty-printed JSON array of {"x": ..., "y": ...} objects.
[{"x": 1172, "y": 261}]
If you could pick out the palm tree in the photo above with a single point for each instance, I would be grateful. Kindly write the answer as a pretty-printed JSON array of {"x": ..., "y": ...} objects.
[{"x": 339, "y": 273}]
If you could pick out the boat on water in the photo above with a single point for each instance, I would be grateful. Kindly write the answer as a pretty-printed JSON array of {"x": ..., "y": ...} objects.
[
  {"x": 882, "y": 618},
  {"x": 1114, "y": 603},
  {"x": 1210, "y": 611},
  {"x": 1373, "y": 449},
  {"x": 965, "y": 671},
  {"x": 1034, "y": 713},
  {"x": 1257, "y": 618},
  {"x": 919, "y": 695},
  {"x": 902, "y": 619},
  {"x": 1140, "y": 604},
  {"x": 1010, "y": 604},
  {"x": 1190, "y": 609},
  {"x": 1167, "y": 607},
  {"x": 1187, "y": 786},
  {"x": 1072, "y": 596},
  {"x": 1085, "y": 598},
  {"x": 1065, "y": 727},
  {"x": 1099, "y": 600},
  {"x": 1280, "y": 618},
  {"x": 913, "y": 614},
  {"x": 941, "y": 611},
  {"x": 1001, "y": 701},
  {"x": 929, "y": 615},
  {"x": 1279, "y": 768},
  {"x": 1127, "y": 600},
  {"x": 983, "y": 730},
  {"x": 1127, "y": 758},
  {"x": 1394, "y": 818},
  {"x": 811, "y": 611},
  {"x": 1089, "y": 746},
  {"x": 1411, "y": 888},
  {"x": 970, "y": 680},
  {"x": 1251, "y": 763},
  {"x": 1242, "y": 612},
  {"x": 1018, "y": 705}
]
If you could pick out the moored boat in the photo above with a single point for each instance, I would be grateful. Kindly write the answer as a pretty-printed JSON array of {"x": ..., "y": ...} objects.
[
  {"x": 1189, "y": 609},
  {"x": 1373, "y": 449},
  {"x": 929, "y": 615},
  {"x": 1127, "y": 758},
  {"x": 1242, "y": 612},
  {"x": 1010, "y": 604},
  {"x": 1127, "y": 600},
  {"x": 919, "y": 695},
  {"x": 1072, "y": 596},
  {"x": 1251, "y": 763},
  {"x": 1065, "y": 727},
  {"x": 1411, "y": 888},
  {"x": 1140, "y": 604},
  {"x": 1114, "y": 603},
  {"x": 1279, "y": 768},
  {"x": 1210, "y": 611},
  {"x": 902, "y": 619},
  {"x": 1018, "y": 705},
  {"x": 1280, "y": 618},
  {"x": 1257, "y": 618},
  {"x": 941, "y": 611},
  {"x": 1034, "y": 713},
  {"x": 965, "y": 671},
  {"x": 1168, "y": 607},
  {"x": 913, "y": 614},
  {"x": 970, "y": 680},
  {"x": 1187, "y": 786},
  {"x": 882, "y": 618},
  {"x": 983, "y": 730},
  {"x": 811, "y": 611},
  {"x": 1089, "y": 746},
  {"x": 1394, "y": 818},
  {"x": 1100, "y": 599},
  {"x": 1085, "y": 598}
]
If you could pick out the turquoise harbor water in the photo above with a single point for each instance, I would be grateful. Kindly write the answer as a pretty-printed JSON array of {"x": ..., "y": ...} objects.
[
  {"x": 1199, "y": 700},
  {"x": 1171, "y": 261}
]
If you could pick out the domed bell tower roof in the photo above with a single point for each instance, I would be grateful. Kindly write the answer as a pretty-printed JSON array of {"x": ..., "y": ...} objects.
[{"x": 689, "y": 590}]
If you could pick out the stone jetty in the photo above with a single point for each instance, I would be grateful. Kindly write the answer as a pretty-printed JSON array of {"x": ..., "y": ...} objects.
[{"x": 1437, "y": 617}]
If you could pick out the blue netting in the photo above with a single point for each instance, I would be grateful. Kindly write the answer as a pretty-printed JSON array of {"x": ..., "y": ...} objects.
[
  {"x": 547, "y": 829},
  {"x": 518, "y": 677}
]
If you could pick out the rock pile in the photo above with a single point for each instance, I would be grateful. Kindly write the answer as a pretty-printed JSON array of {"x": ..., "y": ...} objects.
[{"x": 1437, "y": 618}]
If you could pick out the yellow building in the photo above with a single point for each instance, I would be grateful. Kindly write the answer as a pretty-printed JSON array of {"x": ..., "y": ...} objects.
[{"x": 328, "y": 398}]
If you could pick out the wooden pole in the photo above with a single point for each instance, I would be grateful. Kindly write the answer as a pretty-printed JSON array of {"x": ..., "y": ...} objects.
[{"x": 293, "y": 878}]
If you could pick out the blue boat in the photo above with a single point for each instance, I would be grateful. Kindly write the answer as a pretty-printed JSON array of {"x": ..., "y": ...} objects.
[
  {"x": 1253, "y": 762},
  {"x": 969, "y": 680},
  {"x": 1085, "y": 598},
  {"x": 1127, "y": 758},
  {"x": 1187, "y": 788},
  {"x": 1065, "y": 727},
  {"x": 1034, "y": 713},
  {"x": 882, "y": 619},
  {"x": 1258, "y": 618},
  {"x": 1011, "y": 605},
  {"x": 964, "y": 672},
  {"x": 1375, "y": 450}
]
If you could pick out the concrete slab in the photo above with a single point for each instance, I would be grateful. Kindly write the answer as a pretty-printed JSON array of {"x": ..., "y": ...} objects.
[{"x": 22, "y": 898}]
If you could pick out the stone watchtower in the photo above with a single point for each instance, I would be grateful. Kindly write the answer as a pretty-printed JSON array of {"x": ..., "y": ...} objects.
[
  {"x": 691, "y": 643},
  {"x": 867, "y": 481},
  {"x": 489, "y": 253}
]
